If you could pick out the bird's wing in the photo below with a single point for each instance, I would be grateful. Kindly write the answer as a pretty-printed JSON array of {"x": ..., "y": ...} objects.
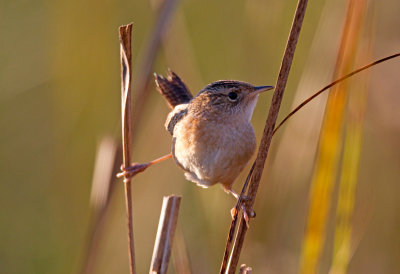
[
  {"x": 175, "y": 116},
  {"x": 173, "y": 89}
]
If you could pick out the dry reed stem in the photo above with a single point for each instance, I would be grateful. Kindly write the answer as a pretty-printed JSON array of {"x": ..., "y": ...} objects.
[
  {"x": 147, "y": 62},
  {"x": 125, "y": 33},
  {"x": 269, "y": 127},
  {"x": 165, "y": 234},
  {"x": 140, "y": 98},
  {"x": 297, "y": 142},
  {"x": 144, "y": 70},
  {"x": 232, "y": 228}
]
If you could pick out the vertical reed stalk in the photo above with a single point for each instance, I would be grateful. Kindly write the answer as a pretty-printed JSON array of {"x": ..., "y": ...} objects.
[
  {"x": 269, "y": 128},
  {"x": 140, "y": 98},
  {"x": 125, "y": 33}
]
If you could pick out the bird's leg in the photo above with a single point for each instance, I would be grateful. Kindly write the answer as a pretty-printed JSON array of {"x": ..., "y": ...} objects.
[
  {"x": 242, "y": 201},
  {"x": 136, "y": 168}
]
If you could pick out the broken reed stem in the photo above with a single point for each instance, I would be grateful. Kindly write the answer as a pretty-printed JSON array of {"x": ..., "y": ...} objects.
[
  {"x": 125, "y": 33},
  {"x": 140, "y": 98},
  {"x": 269, "y": 127},
  {"x": 165, "y": 234}
]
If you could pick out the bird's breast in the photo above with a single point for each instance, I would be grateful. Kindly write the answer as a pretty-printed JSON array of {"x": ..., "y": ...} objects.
[{"x": 213, "y": 151}]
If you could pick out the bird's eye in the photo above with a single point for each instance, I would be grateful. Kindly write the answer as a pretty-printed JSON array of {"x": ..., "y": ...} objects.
[{"x": 232, "y": 96}]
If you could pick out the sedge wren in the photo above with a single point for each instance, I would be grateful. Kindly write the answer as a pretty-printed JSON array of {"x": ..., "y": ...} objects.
[{"x": 212, "y": 137}]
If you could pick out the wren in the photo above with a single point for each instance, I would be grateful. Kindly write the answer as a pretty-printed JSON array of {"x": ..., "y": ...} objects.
[{"x": 212, "y": 137}]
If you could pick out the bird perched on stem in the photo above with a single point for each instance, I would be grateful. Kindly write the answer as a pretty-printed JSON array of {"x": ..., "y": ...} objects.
[{"x": 212, "y": 137}]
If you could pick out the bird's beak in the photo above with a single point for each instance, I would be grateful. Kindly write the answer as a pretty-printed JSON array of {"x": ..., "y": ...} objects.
[{"x": 259, "y": 89}]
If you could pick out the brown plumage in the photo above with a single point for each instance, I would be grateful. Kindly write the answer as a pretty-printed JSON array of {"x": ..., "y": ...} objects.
[
  {"x": 173, "y": 89},
  {"x": 212, "y": 138}
]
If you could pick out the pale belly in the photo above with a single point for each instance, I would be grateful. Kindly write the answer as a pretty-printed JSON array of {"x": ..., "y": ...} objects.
[{"x": 214, "y": 155}]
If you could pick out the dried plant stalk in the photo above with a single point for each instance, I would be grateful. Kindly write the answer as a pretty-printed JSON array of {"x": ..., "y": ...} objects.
[
  {"x": 232, "y": 228},
  {"x": 297, "y": 141},
  {"x": 165, "y": 234},
  {"x": 141, "y": 87},
  {"x": 125, "y": 33},
  {"x": 269, "y": 128}
]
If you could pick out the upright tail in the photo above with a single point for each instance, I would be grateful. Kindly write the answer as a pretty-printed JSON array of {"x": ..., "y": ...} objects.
[{"x": 173, "y": 89}]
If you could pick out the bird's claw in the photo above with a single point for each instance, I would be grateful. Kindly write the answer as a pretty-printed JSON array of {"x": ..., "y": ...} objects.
[
  {"x": 247, "y": 211},
  {"x": 130, "y": 171},
  {"x": 247, "y": 214}
]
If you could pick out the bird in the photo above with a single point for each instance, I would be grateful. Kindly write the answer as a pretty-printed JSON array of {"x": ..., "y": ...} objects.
[{"x": 212, "y": 137}]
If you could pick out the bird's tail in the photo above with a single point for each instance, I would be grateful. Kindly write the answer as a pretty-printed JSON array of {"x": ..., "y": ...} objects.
[{"x": 173, "y": 89}]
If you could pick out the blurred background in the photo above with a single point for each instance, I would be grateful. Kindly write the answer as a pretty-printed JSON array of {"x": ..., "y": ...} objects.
[{"x": 60, "y": 100}]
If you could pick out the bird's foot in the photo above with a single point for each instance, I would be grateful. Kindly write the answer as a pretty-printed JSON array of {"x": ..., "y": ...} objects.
[
  {"x": 135, "y": 168},
  {"x": 130, "y": 171},
  {"x": 243, "y": 203}
]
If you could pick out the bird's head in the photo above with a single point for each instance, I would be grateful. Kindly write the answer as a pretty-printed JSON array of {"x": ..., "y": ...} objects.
[{"x": 227, "y": 97}]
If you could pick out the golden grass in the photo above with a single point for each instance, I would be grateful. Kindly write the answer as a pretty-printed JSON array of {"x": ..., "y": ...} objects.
[
  {"x": 342, "y": 251},
  {"x": 330, "y": 145}
]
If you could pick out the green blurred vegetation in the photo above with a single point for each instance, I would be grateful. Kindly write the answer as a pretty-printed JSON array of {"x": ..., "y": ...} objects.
[{"x": 60, "y": 93}]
